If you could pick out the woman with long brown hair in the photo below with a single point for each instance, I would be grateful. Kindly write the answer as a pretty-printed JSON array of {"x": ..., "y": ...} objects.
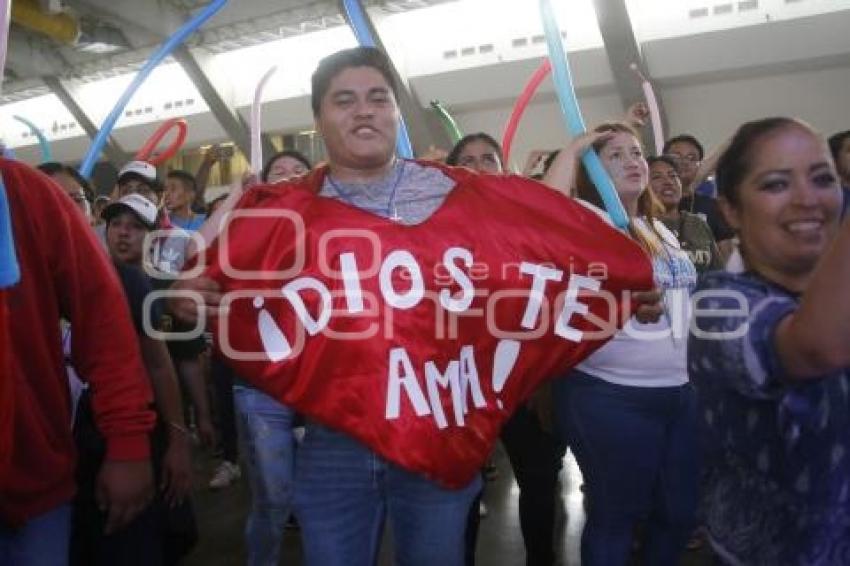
[{"x": 628, "y": 411}]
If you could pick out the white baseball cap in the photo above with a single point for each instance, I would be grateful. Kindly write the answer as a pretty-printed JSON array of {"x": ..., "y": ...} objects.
[
  {"x": 143, "y": 208},
  {"x": 142, "y": 169}
]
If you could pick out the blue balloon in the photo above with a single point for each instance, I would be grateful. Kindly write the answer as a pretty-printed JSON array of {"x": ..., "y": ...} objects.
[
  {"x": 575, "y": 124},
  {"x": 46, "y": 154},
  {"x": 364, "y": 37},
  {"x": 165, "y": 49}
]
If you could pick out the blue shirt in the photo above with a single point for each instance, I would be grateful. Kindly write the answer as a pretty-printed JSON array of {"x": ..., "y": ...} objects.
[
  {"x": 777, "y": 469},
  {"x": 707, "y": 188},
  {"x": 190, "y": 224},
  {"x": 9, "y": 270}
]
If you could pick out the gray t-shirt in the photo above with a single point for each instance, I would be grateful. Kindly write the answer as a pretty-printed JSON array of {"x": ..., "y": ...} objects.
[{"x": 419, "y": 191}]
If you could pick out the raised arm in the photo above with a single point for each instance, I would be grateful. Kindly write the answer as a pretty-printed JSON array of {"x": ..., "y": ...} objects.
[
  {"x": 561, "y": 175},
  {"x": 815, "y": 340},
  {"x": 708, "y": 165},
  {"x": 202, "y": 176},
  {"x": 637, "y": 115},
  {"x": 211, "y": 227}
]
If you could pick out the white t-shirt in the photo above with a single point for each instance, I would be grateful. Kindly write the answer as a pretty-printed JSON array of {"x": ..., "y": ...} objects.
[{"x": 654, "y": 354}]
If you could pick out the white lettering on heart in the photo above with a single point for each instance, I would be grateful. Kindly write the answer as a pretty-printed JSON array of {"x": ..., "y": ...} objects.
[
  {"x": 274, "y": 342},
  {"x": 410, "y": 298},
  {"x": 401, "y": 375},
  {"x": 572, "y": 306},
  {"x": 469, "y": 379},
  {"x": 467, "y": 290},
  {"x": 451, "y": 380},
  {"x": 292, "y": 292},
  {"x": 540, "y": 274},
  {"x": 351, "y": 282},
  {"x": 504, "y": 360},
  {"x": 460, "y": 376}
]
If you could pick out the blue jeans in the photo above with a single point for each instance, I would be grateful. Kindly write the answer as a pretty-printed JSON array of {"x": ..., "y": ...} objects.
[
  {"x": 344, "y": 493},
  {"x": 638, "y": 451},
  {"x": 265, "y": 430},
  {"x": 41, "y": 541}
]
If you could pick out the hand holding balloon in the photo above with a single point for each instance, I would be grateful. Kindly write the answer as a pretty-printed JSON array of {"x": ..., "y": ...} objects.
[
  {"x": 652, "y": 107},
  {"x": 637, "y": 114},
  {"x": 562, "y": 173}
]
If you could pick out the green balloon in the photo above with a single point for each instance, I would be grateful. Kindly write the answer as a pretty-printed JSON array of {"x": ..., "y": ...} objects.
[{"x": 448, "y": 122}]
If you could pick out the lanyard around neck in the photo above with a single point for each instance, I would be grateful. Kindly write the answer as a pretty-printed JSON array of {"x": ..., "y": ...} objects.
[{"x": 390, "y": 211}]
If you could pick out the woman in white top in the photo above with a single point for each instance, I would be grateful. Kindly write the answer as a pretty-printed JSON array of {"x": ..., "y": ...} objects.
[{"x": 628, "y": 411}]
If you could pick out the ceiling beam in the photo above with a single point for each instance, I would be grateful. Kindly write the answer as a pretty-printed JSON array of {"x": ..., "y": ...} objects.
[
  {"x": 212, "y": 89},
  {"x": 67, "y": 95},
  {"x": 423, "y": 128},
  {"x": 157, "y": 17},
  {"x": 623, "y": 49},
  {"x": 50, "y": 6},
  {"x": 31, "y": 57}
]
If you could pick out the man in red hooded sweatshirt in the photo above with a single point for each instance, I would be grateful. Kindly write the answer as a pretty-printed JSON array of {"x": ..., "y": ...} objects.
[
  {"x": 65, "y": 274},
  {"x": 9, "y": 275}
]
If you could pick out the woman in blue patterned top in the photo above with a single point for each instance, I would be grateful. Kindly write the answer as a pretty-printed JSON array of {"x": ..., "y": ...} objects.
[{"x": 772, "y": 367}]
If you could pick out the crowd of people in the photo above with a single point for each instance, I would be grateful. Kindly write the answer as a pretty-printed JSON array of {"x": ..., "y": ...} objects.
[{"x": 720, "y": 411}]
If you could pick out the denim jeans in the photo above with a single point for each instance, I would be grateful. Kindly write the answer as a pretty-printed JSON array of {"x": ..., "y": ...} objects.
[
  {"x": 344, "y": 493},
  {"x": 41, "y": 541},
  {"x": 268, "y": 447},
  {"x": 638, "y": 451}
]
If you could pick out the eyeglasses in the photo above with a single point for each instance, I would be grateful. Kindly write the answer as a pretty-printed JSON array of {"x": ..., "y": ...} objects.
[
  {"x": 690, "y": 158},
  {"x": 671, "y": 175}
]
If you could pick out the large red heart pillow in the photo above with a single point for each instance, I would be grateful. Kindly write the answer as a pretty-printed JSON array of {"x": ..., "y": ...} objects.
[{"x": 419, "y": 340}]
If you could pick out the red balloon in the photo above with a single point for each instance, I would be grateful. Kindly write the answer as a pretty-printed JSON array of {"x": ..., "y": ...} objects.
[
  {"x": 144, "y": 154},
  {"x": 519, "y": 108}
]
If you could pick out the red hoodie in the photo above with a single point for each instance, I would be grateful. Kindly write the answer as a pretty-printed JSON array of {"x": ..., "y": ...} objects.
[{"x": 64, "y": 273}]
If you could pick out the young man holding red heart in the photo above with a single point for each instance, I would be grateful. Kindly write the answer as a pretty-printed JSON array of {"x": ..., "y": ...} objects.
[{"x": 375, "y": 447}]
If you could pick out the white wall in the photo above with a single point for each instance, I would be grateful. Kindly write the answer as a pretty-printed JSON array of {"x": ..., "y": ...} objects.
[
  {"x": 713, "y": 110},
  {"x": 710, "y": 110},
  {"x": 541, "y": 127}
]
